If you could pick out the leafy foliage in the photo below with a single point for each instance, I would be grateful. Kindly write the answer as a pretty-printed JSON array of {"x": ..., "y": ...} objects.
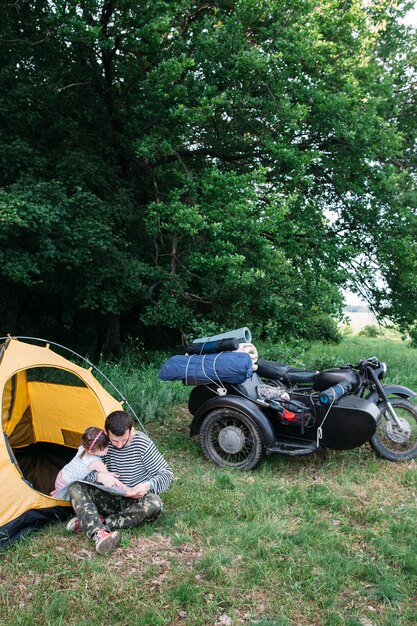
[{"x": 183, "y": 166}]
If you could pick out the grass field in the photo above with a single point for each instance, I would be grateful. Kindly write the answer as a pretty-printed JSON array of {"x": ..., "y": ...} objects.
[{"x": 324, "y": 540}]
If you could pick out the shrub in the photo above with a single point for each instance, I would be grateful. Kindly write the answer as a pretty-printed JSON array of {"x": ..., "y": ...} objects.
[
  {"x": 369, "y": 331},
  {"x": 290, "y": 351},
  {"x": 324, "y": 328},
  {"x": 413, "y": 336}
]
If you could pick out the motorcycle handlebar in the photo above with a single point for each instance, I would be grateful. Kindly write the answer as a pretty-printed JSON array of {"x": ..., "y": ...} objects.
[{"x": 372, "y": 361}]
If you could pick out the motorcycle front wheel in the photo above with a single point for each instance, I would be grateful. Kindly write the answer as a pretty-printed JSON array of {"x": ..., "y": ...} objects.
[
  {"x": 230, "y": 438},
  {"x": 389, "y": 441}
]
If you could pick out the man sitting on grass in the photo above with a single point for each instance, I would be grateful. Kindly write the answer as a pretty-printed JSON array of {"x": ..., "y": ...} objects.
[{"x": 142, "y": 473}]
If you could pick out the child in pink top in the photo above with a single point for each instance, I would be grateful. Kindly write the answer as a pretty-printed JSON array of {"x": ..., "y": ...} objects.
[{"x": 94, "y": 445}]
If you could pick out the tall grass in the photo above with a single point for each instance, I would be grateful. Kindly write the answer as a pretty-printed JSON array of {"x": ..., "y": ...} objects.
[
  {"x": 324, "y": 540},
  {"x": 399, "y": 356},
  {"x": 135, "y": 373},
  {"x": 135, "y": 376}
]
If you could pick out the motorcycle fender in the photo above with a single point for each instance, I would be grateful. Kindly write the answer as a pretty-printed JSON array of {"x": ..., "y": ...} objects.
[
  {"x": 392, "y": 390},
  {"x": 250, "y": 409}
]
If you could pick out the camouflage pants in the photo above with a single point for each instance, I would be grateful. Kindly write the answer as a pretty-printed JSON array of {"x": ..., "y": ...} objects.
[{"x": 89, "y": 502}]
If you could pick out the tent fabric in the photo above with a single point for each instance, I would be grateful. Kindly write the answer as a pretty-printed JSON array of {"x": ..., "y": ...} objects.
[
  {"x": 42, "y": 424},
  {"x": 225, "y": 367},
  {"x": 15, "y": 401},
  {"x": 57, "y": 407},
  {"x": 31, "y": 520}
]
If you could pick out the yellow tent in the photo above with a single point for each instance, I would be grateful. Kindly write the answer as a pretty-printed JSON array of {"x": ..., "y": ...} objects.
[{"x": 46, "y": 403}]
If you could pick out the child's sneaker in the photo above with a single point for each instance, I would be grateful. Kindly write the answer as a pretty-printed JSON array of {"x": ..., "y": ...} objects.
[
  {"x": 106, "y": 541},
  {"x": 74, "y": 525}
]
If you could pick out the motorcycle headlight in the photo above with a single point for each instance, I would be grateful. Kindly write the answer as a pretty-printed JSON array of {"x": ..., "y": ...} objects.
[{"x": 383, "y": 370}]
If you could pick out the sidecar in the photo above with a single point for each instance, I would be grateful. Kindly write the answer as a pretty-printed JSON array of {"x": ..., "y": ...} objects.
[
  {"x": 239, "y": 424},
  {"x": 240, "y": 415}
]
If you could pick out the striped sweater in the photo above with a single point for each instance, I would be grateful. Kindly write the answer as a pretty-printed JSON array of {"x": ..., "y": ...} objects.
[{"x": 140, "y": 462}]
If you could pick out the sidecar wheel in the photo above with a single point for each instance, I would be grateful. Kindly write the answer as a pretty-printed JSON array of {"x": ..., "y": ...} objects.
[
  {"x": 390, "y": 442},
  {"x": 230, "y": 438}
]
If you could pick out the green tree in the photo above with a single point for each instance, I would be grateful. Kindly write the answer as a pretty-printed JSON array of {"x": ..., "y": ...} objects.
[{"x": 201, "y": 165}]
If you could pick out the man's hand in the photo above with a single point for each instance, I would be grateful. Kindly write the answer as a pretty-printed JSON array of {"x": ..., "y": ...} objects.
[
  {"x": 138, "y": 491},
  {"x": 109, "y": 479}
]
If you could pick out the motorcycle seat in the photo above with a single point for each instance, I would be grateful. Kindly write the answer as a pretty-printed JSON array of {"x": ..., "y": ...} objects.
[{"x": 285, "y": 373}]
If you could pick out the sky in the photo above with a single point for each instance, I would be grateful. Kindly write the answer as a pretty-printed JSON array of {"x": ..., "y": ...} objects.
[
  {"x": 412, "y": 17},
  {"x": 352, "y": 299}
]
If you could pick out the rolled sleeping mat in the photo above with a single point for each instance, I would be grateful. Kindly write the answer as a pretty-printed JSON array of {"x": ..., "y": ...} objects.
[
  {"x": 252, "y": 351},
  {"x": 210, "y": 347},
  {"x": 242, "y": 334},
  {"x": 332, "y": 394}
]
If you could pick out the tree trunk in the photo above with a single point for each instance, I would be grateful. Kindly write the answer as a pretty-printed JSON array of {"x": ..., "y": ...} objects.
[{"x": 109, "y": 331}]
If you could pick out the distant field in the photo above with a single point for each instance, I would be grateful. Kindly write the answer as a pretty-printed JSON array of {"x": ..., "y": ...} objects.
[{"x": 360, "y": 319}]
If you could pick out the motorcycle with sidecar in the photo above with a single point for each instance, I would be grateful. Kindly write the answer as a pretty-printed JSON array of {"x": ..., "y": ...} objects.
[{"x": 291, "y": 411}]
